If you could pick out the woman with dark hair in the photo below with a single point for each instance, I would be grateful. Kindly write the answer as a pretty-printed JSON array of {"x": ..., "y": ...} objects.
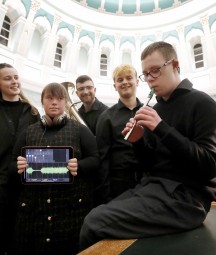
[
  {"x": 16, "y": 113},
  {"x": 50, "y": 215}
]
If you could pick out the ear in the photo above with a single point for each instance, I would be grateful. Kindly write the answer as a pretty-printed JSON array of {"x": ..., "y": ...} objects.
[
  {"x": 114, "y": 87},
  {"x": 176, "y": 64}
]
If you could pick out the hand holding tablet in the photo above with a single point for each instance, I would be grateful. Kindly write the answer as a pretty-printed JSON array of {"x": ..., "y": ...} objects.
[{"x": 47, "y": 164}]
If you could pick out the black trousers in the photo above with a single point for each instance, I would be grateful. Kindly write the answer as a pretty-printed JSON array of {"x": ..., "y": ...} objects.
[
  {"x": 157, "y": 206},
  {"x": 8, "y": 209}
]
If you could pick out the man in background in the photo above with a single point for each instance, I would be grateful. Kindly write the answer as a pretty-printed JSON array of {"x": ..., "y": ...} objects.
[{"x": 91, "y": 107}]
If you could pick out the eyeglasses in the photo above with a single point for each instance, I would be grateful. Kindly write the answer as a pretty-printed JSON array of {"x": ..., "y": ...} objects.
[
  {"x": 155, "y": 73},
  {"x": 81, "y": 89}
]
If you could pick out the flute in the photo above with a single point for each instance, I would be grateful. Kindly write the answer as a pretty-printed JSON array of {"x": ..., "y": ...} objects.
[{"x": 136, "y": 131}]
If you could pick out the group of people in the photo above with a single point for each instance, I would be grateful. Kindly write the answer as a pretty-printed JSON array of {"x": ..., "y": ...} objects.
[{"x": 161, "y": 183}]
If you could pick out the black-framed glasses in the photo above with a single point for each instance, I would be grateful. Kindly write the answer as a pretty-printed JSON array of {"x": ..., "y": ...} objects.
[
  {"x": 155, "y": 73},
  {"x": 81, "y": 89}
]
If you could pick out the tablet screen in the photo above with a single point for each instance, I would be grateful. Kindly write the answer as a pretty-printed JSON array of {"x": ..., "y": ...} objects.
[{"x": 47, "y": 164}]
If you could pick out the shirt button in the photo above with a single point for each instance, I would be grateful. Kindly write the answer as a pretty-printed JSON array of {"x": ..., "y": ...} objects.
[
  {"x": 48, "y": 201},
  {"x": 80, "y": 200},
  {"x": 49, "y": 218},
  {"x": 48, "y": 240}
]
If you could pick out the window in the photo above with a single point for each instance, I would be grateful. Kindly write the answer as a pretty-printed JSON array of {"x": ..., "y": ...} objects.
[
  {"x": 103, "y": 65},
  {"x": 58, "y": 56},
  {"x": 198, "y": 55},
  {"x": 5, "y": 31}
]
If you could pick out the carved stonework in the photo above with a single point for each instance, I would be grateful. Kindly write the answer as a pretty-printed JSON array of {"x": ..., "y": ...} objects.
[
  {"x": 117, "y": 37},
  {"x": 97, "y": 34},
  {"x": 204, "y": 20},
  {"x": 35, "y": 5},
  {"x": 137, "y": 36},
  {"x": 57, "y": 19},
  {"x": 180, "y": 29},
  {"x": 158, "y": 35},
  {"x": 78, "y": 29}
]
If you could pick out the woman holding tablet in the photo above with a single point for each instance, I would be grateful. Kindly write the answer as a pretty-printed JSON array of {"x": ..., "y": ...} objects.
[{"x": 51, "y": 211}]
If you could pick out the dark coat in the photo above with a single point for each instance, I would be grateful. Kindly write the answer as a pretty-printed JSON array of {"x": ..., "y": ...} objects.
[
  {"x": 50, "y": 215},
  {"x": 15, "y": 117}
]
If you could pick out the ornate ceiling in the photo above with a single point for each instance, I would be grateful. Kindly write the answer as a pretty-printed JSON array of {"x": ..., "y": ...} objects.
[
  {"x": 131, "y": 15},
  {"x": 130, "y": 7}
]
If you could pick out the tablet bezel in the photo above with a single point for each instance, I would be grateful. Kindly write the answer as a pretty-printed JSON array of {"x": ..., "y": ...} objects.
[{"x": 70, "y": 177}]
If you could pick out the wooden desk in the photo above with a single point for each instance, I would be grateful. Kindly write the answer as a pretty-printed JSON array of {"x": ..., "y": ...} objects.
[{"x": 200, "y": 241}]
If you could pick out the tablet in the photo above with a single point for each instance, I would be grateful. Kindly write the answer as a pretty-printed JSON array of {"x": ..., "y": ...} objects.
[{"x": 47, "y": 164}]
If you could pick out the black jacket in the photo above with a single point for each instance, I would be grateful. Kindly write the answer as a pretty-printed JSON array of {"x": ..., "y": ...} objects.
[
  {"x": 91, "y": 117},
  {"x": 9, "y": 134},
  {"x": 183, "y": 145}
]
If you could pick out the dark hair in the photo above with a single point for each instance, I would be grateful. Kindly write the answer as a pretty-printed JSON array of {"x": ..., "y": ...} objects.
[
  {"x": 55, "y": 89},
  {"x": 4, "y": 65},
  {"x": 166, "y": 49},
  {"x": 34, "y": 110},
  {"x": 83, "y": 78}
]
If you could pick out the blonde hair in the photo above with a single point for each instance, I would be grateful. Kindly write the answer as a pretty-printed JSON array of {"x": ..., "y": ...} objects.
[{"x": 123, "y": 69}]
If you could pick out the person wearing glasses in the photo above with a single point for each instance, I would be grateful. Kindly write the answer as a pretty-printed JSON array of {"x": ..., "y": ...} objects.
[
  {"x": 91, "y": 107},
  {"x": 178, "y": 155},
  {"x": 118, "y": 163}
]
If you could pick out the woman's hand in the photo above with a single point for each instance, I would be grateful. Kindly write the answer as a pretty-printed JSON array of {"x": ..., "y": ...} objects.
[
  {"x": 21, "y": 164},
  {"x": 73, "y": 166}
]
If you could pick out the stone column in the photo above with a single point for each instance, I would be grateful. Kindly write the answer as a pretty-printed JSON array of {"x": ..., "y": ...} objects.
[
  {"x": 68, "y": 56},
  {"x": 95, "y": 56},
  {"x": 49, "y": 52},
  {"x": 117, "y": 50},
  {"x": 208, "y": 43},
  {"x": 137, "y": 62},
  {"x": 25, "y": 37},
  {"x": 183, "y": 50},
  {"x": 3, "y": 11},
  {"x": 75, "y": 50},
  {"x": 158, "y": 35}
]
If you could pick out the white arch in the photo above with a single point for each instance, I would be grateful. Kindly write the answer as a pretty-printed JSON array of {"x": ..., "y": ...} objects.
[
  {"x": 193, "y": 33},
  {"x": 106, "y": 44},
  {"x": 172, "y": 40},
  {"x": 145, "y": 44},
  {"x": 15, "y": 10},
  {"x": 86, "y": 42},
  {"x": 127, "y": 46},
  {"x": 64, "y": 36},
  {"x": 213, "y": 27},
  {"x": 42, "y": 24}
]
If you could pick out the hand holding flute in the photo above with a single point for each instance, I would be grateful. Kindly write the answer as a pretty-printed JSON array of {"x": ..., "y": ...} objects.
[{"x": 145, "y": 116}]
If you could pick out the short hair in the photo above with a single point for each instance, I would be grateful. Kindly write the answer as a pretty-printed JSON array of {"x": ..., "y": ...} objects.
[
  {"x": 83, "y": 78},
  {"x": 4, "y": 65},
  {"x": 166, "y": 49},
  {"x": 122, "y": 69},
  {"x": 55, "y": 89}
]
